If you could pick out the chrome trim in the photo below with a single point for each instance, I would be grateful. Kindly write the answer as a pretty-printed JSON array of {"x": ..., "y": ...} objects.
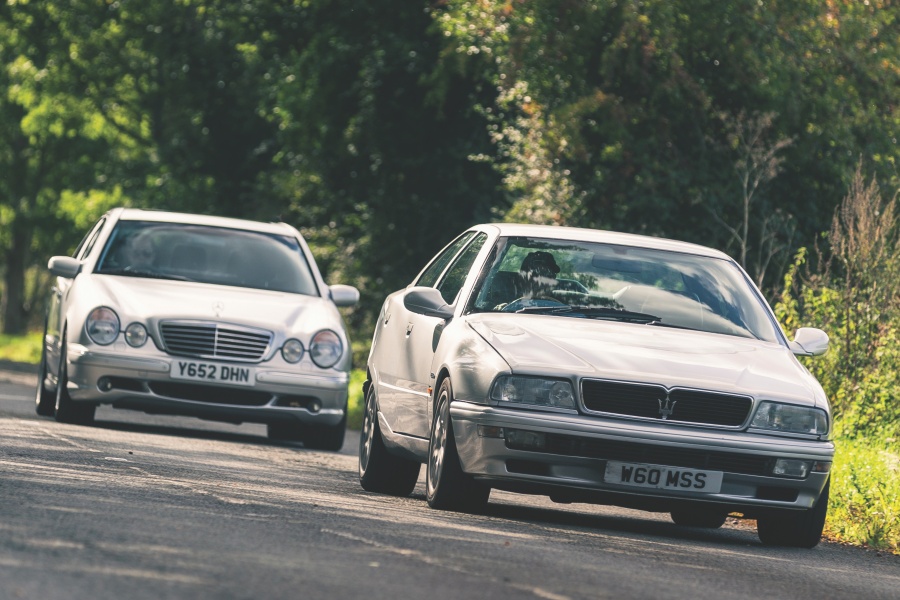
[{"x": 207, "y": 338}]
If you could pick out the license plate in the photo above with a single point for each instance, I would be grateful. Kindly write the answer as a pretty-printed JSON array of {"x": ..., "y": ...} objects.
[
  {"x": 213, "y": 373},
  {"x": 666, "y": 478}
]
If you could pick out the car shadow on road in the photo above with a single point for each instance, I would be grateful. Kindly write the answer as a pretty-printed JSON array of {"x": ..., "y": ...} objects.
[
  {"x": 584, "y": 518},
  {"x": 254, "y": 434}
]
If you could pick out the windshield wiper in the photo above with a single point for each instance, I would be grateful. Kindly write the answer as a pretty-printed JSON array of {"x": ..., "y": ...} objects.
[
  {"x": 601, "y": 312},
  {"x": 129, "y": 272}
]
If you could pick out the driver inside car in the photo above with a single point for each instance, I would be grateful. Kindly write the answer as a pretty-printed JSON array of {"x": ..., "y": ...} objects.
[{"x": 537, "y": 280}]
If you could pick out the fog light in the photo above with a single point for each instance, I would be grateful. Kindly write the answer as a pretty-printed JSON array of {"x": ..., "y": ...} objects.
[
  {"x": 526, "y": 440},
  {"x": 314, "y": 406},
  {"x": 104, "y": 384},
  {"x": 786, "y": 467}
]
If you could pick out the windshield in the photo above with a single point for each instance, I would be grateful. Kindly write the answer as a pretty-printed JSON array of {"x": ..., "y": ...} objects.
[
  {"x": 203, "y": 254},
  {"x": 636, "y": 285}
]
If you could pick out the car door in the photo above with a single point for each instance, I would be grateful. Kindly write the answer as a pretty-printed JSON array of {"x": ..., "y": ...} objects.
[{"x": 420, "y": 336}]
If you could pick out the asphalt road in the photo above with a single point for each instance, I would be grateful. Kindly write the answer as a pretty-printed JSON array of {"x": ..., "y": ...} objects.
[{"x": 160, "y": 507}]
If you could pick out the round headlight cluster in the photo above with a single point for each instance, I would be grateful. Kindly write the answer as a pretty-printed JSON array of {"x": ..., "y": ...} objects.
[
  {"x": 292, "y": 351},
  {"x": 136, "y": 335},
  {"x": 326, "y": 349},
  {"x": 102, "y": 326}
]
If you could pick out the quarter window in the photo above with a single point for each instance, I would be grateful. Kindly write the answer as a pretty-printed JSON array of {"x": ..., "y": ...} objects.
[
  {"x": 87, "y": 244},
  {"x": 433, "y": 271},
  {"x": 456, "y": 275}
]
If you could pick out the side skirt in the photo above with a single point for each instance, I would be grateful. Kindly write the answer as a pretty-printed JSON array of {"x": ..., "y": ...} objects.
[{"x": 407, "y": 446}]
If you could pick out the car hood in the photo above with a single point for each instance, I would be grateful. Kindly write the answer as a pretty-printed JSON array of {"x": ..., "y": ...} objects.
[
  {"x": 156, "y": 300},
  {"x": 566, "y": 346}
]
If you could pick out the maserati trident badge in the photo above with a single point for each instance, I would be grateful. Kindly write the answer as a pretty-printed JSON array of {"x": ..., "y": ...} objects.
[{"x": 666, "y": 409}]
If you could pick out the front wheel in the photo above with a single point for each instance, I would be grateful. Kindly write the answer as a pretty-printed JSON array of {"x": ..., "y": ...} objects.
[
  {"x": 66, "y": 409},
  {"x": 44, "y": 401},
  {"x": 447, "y": 487},
  {"x": 795, "y": 529},
  {"x": 379, "y": 470}
]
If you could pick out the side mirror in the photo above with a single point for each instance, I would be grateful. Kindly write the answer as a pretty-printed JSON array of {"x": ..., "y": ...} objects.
[
  {"x": 64, "y": 266},
  {"x": 809, "y": 342},
  {"x": 427, "y": 301},
  {"x": 344, "y": 295}
]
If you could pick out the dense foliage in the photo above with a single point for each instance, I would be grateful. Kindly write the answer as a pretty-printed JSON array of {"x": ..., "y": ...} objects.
[
  {"x": 382, "y": 129},
  {"x": 854, "y": 294}
]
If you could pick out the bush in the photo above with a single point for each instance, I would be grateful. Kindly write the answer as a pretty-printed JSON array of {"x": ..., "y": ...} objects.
[{"x": 854, "y": 295}]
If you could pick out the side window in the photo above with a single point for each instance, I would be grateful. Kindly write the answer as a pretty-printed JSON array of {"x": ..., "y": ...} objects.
[
  {"x": 456, "y": 275},
  {"x": 437, "y": 266},
  {"x": 87, "y": 244}
]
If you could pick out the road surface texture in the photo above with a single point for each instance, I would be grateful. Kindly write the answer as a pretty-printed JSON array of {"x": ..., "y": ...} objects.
[{"x": 142, "y": 506}]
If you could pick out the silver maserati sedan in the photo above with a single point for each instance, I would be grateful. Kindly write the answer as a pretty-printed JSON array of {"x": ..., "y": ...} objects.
[
  {"x": 597, "y": 367},
  {"x": 222, "y": 319}
]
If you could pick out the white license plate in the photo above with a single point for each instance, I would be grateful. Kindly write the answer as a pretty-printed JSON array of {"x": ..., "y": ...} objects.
[
  {"x": 666, "y": 478},
  {"x": 213, "y": 373}
]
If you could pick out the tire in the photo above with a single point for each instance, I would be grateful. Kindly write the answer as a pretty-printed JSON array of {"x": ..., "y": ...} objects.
[
  {"x": 379, "y": 470},
  {"x": 325, "y": 437},
  {"x": 44, "y": 401},
  {"x": 447, "y": 487},
  {"x": 699, "y": 517},
  {"x": 67, "y": 410},
  {"x": 795, "y": 529}
]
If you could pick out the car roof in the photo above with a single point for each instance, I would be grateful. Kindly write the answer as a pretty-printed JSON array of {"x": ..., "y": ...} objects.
[
  {"x": 600, "y": 236},
  {"x": 138, "y": 214}
]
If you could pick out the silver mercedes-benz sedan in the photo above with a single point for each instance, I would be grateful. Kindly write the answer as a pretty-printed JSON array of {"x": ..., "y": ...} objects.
[
  {"x": 222, "y": 319},
  {"x": 597, "y": 367}
]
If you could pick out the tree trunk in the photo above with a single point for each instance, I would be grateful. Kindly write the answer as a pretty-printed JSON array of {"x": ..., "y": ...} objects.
[{"x": 13, "y": 313}]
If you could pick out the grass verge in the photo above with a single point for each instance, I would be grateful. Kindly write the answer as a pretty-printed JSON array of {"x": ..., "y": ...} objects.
[
  {"x": 21, "y": 348},
  {"x": 865, "y": 494}
]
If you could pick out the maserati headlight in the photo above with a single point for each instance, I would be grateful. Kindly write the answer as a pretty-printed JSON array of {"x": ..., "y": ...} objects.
[
  {"x": 102, "y": 326},
  {"x": 789, "y": 418},
  {"x": 326, "y": 348},
  {"x": 534, "y": 392}
]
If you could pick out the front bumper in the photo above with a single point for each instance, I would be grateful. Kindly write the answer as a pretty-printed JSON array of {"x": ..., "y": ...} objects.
[
  {"x": 279, "y": 392},
  {"x": 572, "y": 464}
]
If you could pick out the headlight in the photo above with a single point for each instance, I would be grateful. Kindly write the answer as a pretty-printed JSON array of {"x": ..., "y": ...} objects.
[
  {"x": 292, "y": 351},
  {"x": 534, "y": 392},
  {"x": 102, "y": 326},
  {"x": 136, "y": 335},
  {"x": 326, "y": 348},
  {"x": 788, "y": 418}
]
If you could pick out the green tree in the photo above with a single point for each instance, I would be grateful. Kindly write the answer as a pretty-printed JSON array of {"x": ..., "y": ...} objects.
[
  {"x": 52, "y": 141},
  {"x": 377, "y": 138},
  {"x": 608, "y": 112}
]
